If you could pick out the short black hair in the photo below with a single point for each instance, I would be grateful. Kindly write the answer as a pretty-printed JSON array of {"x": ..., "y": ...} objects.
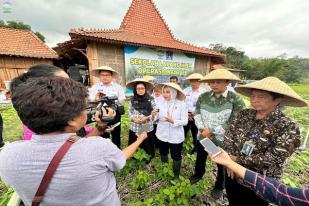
[
  {"x": 46, "y": 104},
  {"x": 174, "y": 77},
  {"x": 39, "y": 70}
]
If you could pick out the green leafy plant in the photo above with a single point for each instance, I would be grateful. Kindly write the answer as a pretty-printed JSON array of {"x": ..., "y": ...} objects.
[
  {"x": 141, "y": 180},
  {"x": 164, "y": 171}
]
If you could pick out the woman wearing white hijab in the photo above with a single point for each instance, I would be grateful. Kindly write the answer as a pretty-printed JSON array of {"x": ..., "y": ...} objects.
[{"x": 172, "y": 116}]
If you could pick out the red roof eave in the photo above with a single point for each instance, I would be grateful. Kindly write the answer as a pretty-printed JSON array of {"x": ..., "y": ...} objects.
[
  {"x": 148, "y": 44},
  {"x": 29, "y": 55}
]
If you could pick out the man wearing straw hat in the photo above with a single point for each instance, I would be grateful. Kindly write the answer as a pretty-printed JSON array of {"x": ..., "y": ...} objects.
[
  {"x": 214, "y": 110},
  {"x": 261, "y": 138},
  {"x": 192, "y": 93},
  {"x": 107, "y": 87}
]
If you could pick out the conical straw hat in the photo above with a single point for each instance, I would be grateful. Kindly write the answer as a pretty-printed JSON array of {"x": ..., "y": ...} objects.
[
  {"x": 194, "y": 76},
  {"x": 148, "y": 78},
  {"x": 220, "y": 74},
  {"x": 180, "y": 94},
  {"x": 275, "y": 85},
  {"x": 97, "y": 71},
  {"x": 131, "y": 84}
]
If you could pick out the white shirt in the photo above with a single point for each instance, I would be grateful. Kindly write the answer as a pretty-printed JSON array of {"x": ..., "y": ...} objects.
[
  {"x": 83, "y": 177},
  {"x": 112, "y": 89},
  {"x": 192, "y": 96},
  {"x": 167, "y": 132},
  {"x": 158, "y": 99}
]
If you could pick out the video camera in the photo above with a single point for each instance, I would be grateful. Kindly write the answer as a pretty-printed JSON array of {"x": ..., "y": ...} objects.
[{"x": 102, "y": 104}]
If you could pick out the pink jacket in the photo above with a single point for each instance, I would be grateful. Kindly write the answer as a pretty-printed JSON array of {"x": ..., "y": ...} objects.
[{"x": 28, "y": 133}]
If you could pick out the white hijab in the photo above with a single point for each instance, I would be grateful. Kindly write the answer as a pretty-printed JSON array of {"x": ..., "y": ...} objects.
[
  {"x": 170, "y": 103},
  {"x": 173, "y": 92}
]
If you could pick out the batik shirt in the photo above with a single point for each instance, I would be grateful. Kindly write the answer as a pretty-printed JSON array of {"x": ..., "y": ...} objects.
[
  {"x": 215, "y": 113},
  {"x": 274, "y": 139},
  {"x": 147, "y": 126}
]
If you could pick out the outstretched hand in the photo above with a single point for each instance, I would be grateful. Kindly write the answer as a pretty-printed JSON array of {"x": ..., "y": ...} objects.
[
  {"x": 223, "y": 159},
  {"x": 142, "y": 136}
]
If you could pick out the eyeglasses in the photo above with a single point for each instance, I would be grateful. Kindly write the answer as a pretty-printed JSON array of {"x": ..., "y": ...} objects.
[{"x": 105, "y": 75}]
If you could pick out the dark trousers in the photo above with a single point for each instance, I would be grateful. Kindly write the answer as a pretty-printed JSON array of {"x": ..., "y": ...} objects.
[
  {"x": 238, "y": 194},
  {"x": 200, "y": 164},
  {"x": 147, "y": 144},
  {"x": 191, "y": 126},
  {"x": 116, "y": 132},
  {"x": 175, "y": 149},
  {"x": 1, "y": 130}
]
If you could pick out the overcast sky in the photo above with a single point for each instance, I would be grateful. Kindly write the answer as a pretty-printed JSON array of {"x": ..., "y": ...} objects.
[{"x": 261, "y": 28}]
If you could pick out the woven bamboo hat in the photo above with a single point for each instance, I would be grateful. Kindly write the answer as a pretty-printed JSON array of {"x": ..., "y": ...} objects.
[
  {"x": 180, "y": 94},
  {"x": 220, "y": 74},
  {"x": 194, "y": 76},
  {"x": 275, "y": 85},
  {"x": 148, "y": 78},
  {"x": 131, "y": 84},
  {"x": 97, "y": 71}
]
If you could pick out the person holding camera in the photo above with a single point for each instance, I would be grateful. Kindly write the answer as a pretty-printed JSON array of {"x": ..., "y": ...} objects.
[
  {"x": 172, "y": 116},
  {"x": 214, "y": 110},
  {"x": 46, "y": 70},
  {"x": 141, "y": 109},
  {"x": 261, "y": 138},
  {"x": 107, "y": 87},
  {"x": 58, "y": 167}
]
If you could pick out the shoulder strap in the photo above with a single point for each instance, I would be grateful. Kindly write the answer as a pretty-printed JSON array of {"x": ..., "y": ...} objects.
[{"x": 38, "y": 198}]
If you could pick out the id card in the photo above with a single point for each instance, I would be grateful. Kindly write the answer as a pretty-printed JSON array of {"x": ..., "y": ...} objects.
[{"x": 247, "y": 148}]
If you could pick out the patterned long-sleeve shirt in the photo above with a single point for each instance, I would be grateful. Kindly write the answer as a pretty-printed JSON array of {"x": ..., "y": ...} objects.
[
  {"x": 274, "y": 192},
  {"x": 273, "y": 139},
  {"x": 215, "y": 113},
  {"x": 137, "y": 128}
]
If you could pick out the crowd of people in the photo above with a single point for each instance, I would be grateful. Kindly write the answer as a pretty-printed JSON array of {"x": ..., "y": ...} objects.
[{"x": 52, "y": 108}]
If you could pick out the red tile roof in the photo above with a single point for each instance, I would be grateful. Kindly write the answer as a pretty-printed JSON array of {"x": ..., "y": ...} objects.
[
  {"x": 143, "y": 26},
  {"x": 14, "y": 42}
]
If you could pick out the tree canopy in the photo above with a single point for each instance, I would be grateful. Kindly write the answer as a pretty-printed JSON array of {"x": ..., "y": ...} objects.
[{"x": 294, "y": 69}]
